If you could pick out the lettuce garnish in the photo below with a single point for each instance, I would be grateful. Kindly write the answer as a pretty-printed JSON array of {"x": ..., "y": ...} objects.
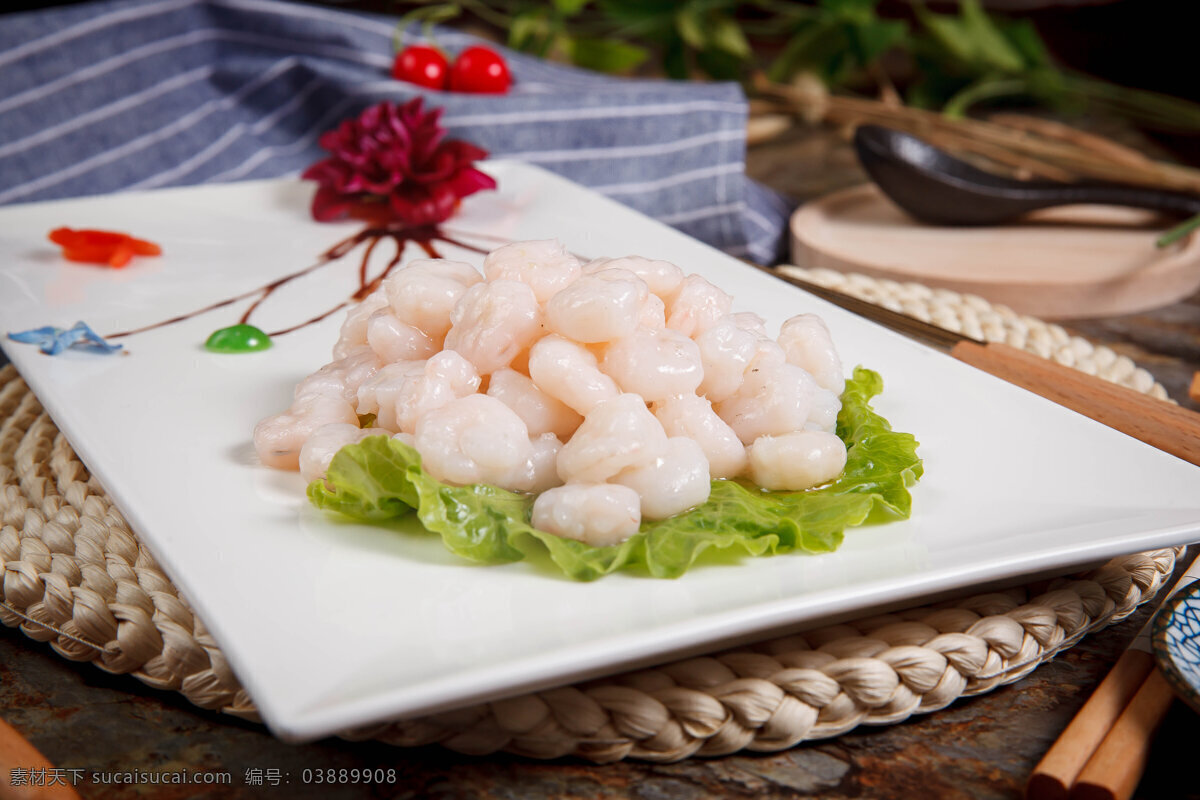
[{"x": 380, "y": 479}]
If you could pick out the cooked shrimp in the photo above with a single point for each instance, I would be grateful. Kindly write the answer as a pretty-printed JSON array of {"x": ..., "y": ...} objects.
[
  {"x": 693, "y": 417},
  {"x": 674, "y": 482},
  {"x": 795, "y": 461},
  {"x": 568, "y": 372},
  {"x": 442, "y": 379},
  {"x": 540, "y": 470},
  {"x": 493, "y": 322},
  {"x": 424, "y": 292},
  {"x": 599, "y": 514},
  {"x": 697, "y": 306},
  {"x": 653, "y": 315},
  {"x": 320, "y": 448},
  {"x": 654, "y": 363},
  {"x": 824, "y": 412},
  {"x": 393, "y": 340},
  {"x": 725, "y": 353},
  {"x": 772, "y": 400},
  {"x": 358, "y": 367},
  {"x": 615, "y": 435},
  {"x": 652, "y": 311},
  {"x": 611, "y": 272},
  {"x": 545, "y": 265},
  {"x": 596, "y": 309},
  {"x": 278, "y": 439},
  {"x": 662, "y": 277},
  {"x": 354, "y": 328},
  {"x": 342, "y": 377},
  {"x": 378, "y": 395},
  {"x": 540, "y": 412},
  {"x": 749, "y": 321},
  {"x": 329, "y": 379},
  {"x": 474, "y": 439},
  {"x": 767, "y": 354},
  {"x": 806, "y": 341}
]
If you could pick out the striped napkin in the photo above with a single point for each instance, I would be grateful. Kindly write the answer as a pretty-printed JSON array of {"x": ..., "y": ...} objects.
[{"x": 136, "y": 94}]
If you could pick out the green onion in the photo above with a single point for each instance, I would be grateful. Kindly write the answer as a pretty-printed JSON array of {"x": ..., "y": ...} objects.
[{"x": 1179, "y": 231}]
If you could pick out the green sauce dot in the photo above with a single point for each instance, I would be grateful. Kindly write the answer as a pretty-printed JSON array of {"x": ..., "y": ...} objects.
[{"x": 238, "y": 339}]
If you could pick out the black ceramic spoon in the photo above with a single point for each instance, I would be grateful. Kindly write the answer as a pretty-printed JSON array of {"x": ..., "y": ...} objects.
[{"x": 937, "y": 188}]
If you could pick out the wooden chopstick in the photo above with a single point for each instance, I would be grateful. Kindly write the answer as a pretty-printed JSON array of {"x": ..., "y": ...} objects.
[
  {"x": 1163, "y": 425},
  {"x": 1113, "y": 771},
  {"x": 1054, "y": 776},
  {"x": 1102, "y": 752}
]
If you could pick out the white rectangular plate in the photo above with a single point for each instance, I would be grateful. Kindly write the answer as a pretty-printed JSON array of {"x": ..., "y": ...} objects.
[{"x": 331, "y": 624}]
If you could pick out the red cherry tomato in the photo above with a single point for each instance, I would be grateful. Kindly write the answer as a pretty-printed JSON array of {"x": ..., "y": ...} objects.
[
  {"x": 422, "y": 65},
  {"x": 480, "y": 70}
]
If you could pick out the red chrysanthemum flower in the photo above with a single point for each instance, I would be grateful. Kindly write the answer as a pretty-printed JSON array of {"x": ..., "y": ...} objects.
[{"x": 391, "y": 164}]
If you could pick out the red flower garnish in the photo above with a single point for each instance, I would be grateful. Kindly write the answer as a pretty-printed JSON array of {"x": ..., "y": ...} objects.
[
  {"x": 391, "y": 164},
  {"x": 101, "y": 247}
]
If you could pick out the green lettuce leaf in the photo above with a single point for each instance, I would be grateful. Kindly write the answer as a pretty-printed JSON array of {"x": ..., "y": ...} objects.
[{"x": 380, "y": 479}]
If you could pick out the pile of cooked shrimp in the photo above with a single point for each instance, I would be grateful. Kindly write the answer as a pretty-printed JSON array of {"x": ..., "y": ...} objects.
[{"x": 615, "y": 389}]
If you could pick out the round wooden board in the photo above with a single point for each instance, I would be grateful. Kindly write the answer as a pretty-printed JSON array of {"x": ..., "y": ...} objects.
[{"x": 1066, "y": 263}]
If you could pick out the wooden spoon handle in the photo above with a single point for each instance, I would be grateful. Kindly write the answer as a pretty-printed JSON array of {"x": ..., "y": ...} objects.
[
  {"x": 19, "y": 757},
  {"x": 1163, "y": 425}
]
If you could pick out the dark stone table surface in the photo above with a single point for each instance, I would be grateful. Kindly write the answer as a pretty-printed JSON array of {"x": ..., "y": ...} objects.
[{"x": 84, "y": 719}]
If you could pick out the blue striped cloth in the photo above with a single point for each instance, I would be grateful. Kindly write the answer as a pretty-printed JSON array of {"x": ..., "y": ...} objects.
[{"x": 135, "y": 94}]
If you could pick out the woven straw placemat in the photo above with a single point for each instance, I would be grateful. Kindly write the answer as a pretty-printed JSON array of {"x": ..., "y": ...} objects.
[{"x": 76, "y": 576}]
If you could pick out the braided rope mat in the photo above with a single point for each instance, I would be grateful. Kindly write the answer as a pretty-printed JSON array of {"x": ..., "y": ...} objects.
[{"x": 75, "y": 575}]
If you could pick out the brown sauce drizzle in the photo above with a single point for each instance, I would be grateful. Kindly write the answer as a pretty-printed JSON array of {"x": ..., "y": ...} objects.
[{"x": 424, "y": 237}]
